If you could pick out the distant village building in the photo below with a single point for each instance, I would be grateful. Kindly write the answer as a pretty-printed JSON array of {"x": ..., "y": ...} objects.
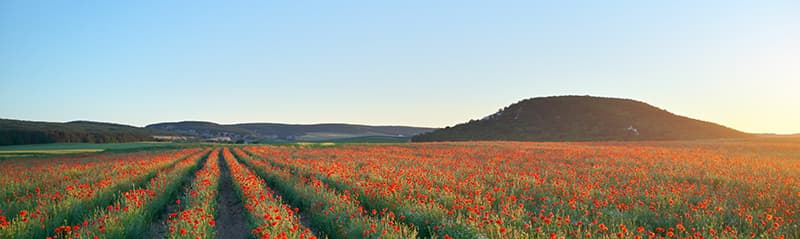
[
  {"x": 220, "y": 139},
  {"x": 171, "y": 138},
  {"x": 632, "y": 129}
]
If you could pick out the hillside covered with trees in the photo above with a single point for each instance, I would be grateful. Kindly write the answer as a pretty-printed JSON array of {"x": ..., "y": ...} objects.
[
  {"x": 581, "y": 118},
  {"x": 13, "y": 132}
]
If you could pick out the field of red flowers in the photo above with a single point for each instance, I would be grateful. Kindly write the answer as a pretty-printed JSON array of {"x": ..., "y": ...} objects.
[{"x": 698, "y": 189}]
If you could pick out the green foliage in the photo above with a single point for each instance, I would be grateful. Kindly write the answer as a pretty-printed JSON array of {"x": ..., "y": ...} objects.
[
  {"x": 42, "y": 150},
  {"x": 15, "y": 132},
  {"x": 372, "y": 139},
  {"x": 200, "y": 128}
]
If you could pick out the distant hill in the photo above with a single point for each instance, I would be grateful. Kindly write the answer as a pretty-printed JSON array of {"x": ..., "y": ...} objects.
[
  {"x": 13, "y": 132},
  {"x": 266, "y": 132},
  {"x": 201, "y": 128},
  {"x": 581, "y": 118}
]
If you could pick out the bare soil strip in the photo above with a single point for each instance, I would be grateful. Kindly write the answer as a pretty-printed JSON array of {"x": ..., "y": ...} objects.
[{"x": 231, "y": 220}]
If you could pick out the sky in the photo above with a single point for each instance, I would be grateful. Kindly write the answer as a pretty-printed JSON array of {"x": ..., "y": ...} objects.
[{"x": 418, "y": 63}]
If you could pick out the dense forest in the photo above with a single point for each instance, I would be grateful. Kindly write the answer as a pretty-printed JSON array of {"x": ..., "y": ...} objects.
[
  {"x": 14, "y": 132},
  {"x": 276, "y": 131}
]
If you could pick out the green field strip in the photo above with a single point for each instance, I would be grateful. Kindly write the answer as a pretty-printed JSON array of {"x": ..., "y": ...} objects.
[
  {"x": 50, "y": 151},
  {"x": 86, "y": 146}
]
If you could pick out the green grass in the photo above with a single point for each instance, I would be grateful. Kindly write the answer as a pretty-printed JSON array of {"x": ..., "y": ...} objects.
[
  {"x": 43, "y": 150},
  {"x": 370, "y": 139},
  {"x": 36, "y": 150},
  {"x": 50, "y": 151},
  {"x": 61, "y": 146}
]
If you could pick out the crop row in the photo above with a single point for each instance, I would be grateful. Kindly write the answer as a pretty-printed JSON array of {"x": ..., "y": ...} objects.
[
  {"x": 443, "y": 190},
  {"x": 268, "y": 216},
  {"x": 78, "y": 199},
  {"x": 133, "y": 211},
  {"x": 334, "y": 214},
  {"x": 196, "y": 220},
  {"x": 521, "y": 190}
]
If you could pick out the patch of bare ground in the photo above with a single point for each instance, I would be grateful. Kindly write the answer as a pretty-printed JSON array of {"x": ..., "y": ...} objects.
[{"x": 231, "y": 222}]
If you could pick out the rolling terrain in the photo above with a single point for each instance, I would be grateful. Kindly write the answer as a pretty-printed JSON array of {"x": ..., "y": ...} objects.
[
  {"x": 581, "y": 118},
  {"x": 14, "y": 132},
  {"x": 19, "y": 132},
  {"x": 266, "y": 132},
  {"x": 556, "y": 118}
]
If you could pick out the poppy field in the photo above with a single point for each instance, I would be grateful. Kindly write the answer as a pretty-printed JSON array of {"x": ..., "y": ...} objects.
[{"x": 680, "y": 189}]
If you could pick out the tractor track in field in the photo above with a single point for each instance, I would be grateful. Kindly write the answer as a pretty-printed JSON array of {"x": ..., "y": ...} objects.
[{"x": 231, "y": 220}]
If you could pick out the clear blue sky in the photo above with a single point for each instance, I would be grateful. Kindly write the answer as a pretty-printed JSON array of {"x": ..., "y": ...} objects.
[{"x": 421, "y": 63}]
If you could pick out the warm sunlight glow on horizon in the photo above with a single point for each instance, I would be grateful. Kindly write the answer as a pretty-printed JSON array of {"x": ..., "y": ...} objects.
[{"x": 415, "y": 63}]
